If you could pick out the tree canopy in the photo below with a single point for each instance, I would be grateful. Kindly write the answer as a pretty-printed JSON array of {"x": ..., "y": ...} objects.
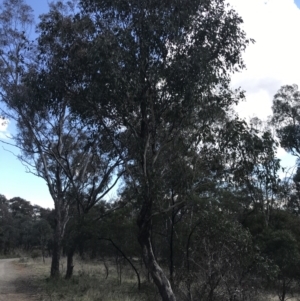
[{"x": 139, "y": 92}]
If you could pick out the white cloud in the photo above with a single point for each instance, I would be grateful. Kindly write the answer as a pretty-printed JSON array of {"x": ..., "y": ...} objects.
[
  {"x": 258, "y": 104},
  {"x": 281, "y": 152},
  {"x": 274, "y": 59},
  {"x": 4, "y": 133}
]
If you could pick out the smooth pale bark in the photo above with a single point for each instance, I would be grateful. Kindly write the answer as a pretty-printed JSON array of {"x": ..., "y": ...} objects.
[{"x": 144, "y": 237}]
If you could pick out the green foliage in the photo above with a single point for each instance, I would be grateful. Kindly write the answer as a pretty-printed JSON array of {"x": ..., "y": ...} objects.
[
  {"x": 286, "y": 117},
  {"x": 22, "y": 225},
  {"x": 16, "y": 20},
  {"x": 140, "y": 90},
  {"x": 35, "y": 254},
  {"x": 221, "y": 260}
]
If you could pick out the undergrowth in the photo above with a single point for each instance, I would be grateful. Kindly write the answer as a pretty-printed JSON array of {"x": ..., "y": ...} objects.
[{"x": 89, "y": 283}]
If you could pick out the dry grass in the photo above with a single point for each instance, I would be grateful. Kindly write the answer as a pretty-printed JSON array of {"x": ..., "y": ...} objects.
[
  {"x": 275, "y": 298},
  {"x": 89, "y": 282}
]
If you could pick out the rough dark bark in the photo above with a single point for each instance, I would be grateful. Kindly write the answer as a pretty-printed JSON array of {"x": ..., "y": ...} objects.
[
  {"x": 70, "y": 265},
  {"x": 61, "y": 214},
  {"x": 43, "y": 253},
  {"x": 171, "y": 264},
  {"x": 56, "y": 252},
  {"x": 283, "y": 292},
  {"x": 171, "y": 243}
]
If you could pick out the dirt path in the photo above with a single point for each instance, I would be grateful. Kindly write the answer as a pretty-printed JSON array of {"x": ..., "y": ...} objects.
[{"x": 14, "y": 282}]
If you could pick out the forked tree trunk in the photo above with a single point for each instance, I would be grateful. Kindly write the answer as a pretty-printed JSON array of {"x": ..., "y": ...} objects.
[{"x": 158, "y": 275}]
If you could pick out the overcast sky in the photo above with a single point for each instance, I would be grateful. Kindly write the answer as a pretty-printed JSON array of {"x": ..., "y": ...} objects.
[{"x": 273, "y": 61}]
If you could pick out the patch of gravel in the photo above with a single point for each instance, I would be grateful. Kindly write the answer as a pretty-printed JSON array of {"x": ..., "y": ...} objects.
[{"x": 16, "y": 283}]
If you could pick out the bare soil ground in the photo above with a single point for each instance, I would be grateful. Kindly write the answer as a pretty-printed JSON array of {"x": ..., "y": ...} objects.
[{"x": 15, "y": 282}]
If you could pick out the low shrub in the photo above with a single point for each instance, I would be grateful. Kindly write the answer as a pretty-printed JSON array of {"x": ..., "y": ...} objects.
[{"x": 35, "y": 254}]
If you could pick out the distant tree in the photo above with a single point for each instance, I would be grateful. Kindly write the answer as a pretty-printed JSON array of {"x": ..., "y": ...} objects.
[
  {"x": 256, "y": 171},
  {"x": 16, "y": 21},
  {"x": 280, "y": 242},
  {"x": 16, "y": 224},
  {"x": 4, "y": 221},
  {"x": 220, "y": 260},
  {"x": 43, "y": 234},
  {"x": 286, "y": 118},
  {"x": 77, "y": 169},
  {"x": 20, "y": 207},
  {"x": 76, "y": 166},
  {"x": 286, "y": 121}
]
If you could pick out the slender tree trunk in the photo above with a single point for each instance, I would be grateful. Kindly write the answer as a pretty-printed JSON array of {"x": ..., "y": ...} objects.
[
  {"x": 171, "y": 263},
  {"x": 283, "y": 293},
  {"x": 126, "y": 258},
  {"x": 70, "y": 266},
  {"x": 56, "y": 251},
  {"x": 144, "y": 237},
  {"x": 106, "y": 267},
  {"x": 43, "y": 252}
]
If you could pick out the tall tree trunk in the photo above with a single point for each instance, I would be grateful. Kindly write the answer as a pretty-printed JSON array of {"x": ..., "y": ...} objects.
[
  {"x": 61, "y": 214},
  {"x": 171, "y": 263},
  {"x": 43, "y": 252},
  {"x": 144, "y": 237}
]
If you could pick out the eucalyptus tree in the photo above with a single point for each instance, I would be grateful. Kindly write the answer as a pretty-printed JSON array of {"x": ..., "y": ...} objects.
[
  {"x": 255, "y": 169},
  {"x": 16, "y": 22},
  {"x": 53, "y": 145},
  {"x": 43, "y": 233},
  {"x": 148, "y": 73},
  {"x": 171, "y": 68},
  {"x": 286, "y": 120}
]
